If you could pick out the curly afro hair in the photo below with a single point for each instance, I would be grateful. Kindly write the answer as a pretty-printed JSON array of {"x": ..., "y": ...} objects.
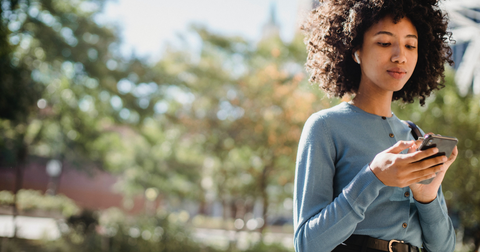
[{"x": 335, "y": 28}]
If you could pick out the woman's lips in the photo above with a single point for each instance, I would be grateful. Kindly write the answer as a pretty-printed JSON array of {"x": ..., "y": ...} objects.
[{"x": 397, "y": 73}]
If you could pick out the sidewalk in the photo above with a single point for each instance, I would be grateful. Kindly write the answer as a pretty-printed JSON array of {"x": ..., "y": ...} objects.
[{"x": 32, "y": 228}]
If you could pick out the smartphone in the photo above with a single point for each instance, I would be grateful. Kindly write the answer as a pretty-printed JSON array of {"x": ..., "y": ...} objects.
[{"x": 444, "y": 144}]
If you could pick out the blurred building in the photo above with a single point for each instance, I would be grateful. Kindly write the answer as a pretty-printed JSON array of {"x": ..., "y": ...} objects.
[{"x": 90, "y": 187}]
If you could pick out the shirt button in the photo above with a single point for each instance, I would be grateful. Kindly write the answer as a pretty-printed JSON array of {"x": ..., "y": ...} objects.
[
  {"x": 407, "y": 194},
  {"x": 391, "y": 135},
  {"x": 384, "y": 118},
  {"x": 404, "y": 225}
]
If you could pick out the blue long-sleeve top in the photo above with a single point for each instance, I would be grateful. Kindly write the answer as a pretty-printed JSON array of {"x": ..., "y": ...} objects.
[{"x": 337, "y": 195}]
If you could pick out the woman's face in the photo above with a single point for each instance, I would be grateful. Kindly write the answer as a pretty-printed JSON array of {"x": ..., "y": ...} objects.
[{"x": 388, "y": 55}]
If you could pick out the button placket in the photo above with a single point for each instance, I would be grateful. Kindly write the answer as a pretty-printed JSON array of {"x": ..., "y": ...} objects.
[{"x": 389, "y": 130}]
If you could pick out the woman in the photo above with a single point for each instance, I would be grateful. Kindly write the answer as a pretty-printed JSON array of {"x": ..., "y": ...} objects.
[{"x": 357, "y": 171}]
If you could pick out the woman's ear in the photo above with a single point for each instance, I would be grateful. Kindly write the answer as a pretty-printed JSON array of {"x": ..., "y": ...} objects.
[{"x": 356, "y": 58}]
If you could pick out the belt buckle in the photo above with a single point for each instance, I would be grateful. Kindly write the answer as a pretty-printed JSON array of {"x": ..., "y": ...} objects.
[{"x": 390, "y": 244}]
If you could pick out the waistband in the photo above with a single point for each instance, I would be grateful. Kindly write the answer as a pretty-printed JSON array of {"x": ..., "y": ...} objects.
[{"x": 378, "y": 244}]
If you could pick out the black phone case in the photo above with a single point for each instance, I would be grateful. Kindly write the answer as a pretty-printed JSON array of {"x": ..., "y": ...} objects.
[{"x": 444, "y": 144}]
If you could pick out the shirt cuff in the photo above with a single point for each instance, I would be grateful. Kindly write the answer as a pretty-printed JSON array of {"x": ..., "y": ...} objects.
[{"x": 430, "y": 212}]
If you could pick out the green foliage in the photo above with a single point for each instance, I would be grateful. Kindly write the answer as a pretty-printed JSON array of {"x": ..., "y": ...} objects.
[
  {"x": 112, "y": 230},
  {"x": 248, "y": 109},
  {"x": 72, "y": 89},
  {"x": 262, "y": 247},
  {"x": 17, "y": 92},
  {"x": 31, "y": 200},
  {"x": 117, "y": 232},
  {"x": 157, "y": 157},
  {"x": 88, "y": 104}
]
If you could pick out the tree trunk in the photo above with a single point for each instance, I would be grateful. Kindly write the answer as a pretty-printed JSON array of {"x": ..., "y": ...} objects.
[
  {"x": 264, "y": 194},
  {"x": 476, "y": 239},
  {"x": 21, "y": 160}
]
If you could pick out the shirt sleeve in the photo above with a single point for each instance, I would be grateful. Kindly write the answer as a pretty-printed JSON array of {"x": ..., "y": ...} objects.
[
  {"x": 321, "y": 220},
  {"x": 437, "y": 228},
  {"x": 438, "y": 233}
]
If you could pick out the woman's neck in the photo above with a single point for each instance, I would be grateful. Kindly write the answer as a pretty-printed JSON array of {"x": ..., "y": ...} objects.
[{"x": 377, "y": 104}]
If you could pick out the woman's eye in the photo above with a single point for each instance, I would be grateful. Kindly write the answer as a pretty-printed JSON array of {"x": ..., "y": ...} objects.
[
  {"x": 383, "y": 44},
  {"x": 411, "y": 47}
]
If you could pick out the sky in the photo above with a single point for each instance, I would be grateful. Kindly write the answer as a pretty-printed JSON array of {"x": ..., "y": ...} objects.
[{"x": 148, "y": 25}]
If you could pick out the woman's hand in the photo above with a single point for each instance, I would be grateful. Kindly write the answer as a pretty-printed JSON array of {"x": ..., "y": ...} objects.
[
  {"x": 426, "y": 193},
  {"x": 402, "y": 170}
]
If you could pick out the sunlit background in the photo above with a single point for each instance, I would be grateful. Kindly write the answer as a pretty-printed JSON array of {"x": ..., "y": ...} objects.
[
  {"x": 148, "y": 27},
  {"x": 173, "y": 125}
]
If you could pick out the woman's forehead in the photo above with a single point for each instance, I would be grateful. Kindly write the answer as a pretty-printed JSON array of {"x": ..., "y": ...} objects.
[{"x": 386, "y": 25}]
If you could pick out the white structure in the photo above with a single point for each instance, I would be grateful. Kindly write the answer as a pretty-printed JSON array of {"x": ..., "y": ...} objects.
[
  {"x": 271, "y": 28},
  {"x": 32, "y": 228},
  {"x": 465, "y": 25}
]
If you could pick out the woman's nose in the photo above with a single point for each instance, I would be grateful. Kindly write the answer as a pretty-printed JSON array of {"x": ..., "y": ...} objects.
[{"x": 398, "y": 54}]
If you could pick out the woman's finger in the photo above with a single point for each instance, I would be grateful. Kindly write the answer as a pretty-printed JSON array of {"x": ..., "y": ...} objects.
[
  {"x": 428, "y": 163},
  {"x": 399, "y": 147},
  {"x": 420, "y": 155}
]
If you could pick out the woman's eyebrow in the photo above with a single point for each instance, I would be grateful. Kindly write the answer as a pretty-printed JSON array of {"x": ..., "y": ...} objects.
[{"x": 391, "y": 34}]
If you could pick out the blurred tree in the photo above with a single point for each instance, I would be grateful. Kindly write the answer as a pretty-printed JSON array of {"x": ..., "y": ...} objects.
[
  {"x": 246, "y": 109},
  {"x": 67, "y": 94},
  {"x": 37, "y": 41},
  {"x": 64, "y": 87},
  {"x": 447, "y": 113},
  {"x": 17, "y": 93},
  {"x": 158, "y": 160}
]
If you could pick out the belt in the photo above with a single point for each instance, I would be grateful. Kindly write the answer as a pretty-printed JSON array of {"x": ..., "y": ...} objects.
[{"x": 372, "y": 243}]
